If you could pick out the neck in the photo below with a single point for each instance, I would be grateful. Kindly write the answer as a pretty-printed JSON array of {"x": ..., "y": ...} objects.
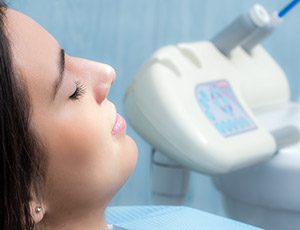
[{"x": 75, "y": 220}]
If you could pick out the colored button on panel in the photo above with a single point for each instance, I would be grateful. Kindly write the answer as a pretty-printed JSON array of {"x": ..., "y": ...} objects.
[
  {"x": 205, "y": 105},
  {"x": 224, "y": 126},
  {"x": 220, "y": 128},
  {"x": 210, "y": 116}
]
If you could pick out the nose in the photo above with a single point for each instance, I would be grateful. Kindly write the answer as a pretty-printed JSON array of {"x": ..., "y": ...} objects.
[{"x": 106, "y": 76}]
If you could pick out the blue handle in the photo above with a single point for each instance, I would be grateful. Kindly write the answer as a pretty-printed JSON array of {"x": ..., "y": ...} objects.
[{"x": 286, "y": 9}]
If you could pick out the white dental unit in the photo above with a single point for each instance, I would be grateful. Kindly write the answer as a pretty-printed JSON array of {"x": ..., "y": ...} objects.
[
  {"x": 195, "y": 102},
  {"x": 222, "y": 107}
]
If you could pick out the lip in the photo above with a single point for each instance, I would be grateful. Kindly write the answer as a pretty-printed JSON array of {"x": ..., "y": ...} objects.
[{"x": 119, "y": 126}]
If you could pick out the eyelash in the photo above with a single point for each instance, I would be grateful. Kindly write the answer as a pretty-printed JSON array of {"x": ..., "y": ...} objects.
[{"x": 79, "y": 91}]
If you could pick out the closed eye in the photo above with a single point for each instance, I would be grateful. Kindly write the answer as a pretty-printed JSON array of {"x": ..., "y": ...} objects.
[{"x": 79, "y": 91}]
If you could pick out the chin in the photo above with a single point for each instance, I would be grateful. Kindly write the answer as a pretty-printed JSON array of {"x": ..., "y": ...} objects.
[
  {"x": 133, "y": 152},
  {"x": 130, "y": 157}
]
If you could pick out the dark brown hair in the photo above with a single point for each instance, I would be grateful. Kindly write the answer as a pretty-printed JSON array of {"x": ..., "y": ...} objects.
[{"x": 20, "y": 161}]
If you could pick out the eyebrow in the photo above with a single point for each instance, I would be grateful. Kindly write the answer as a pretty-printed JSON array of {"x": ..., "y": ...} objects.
[{"x": 61, "y": 67}]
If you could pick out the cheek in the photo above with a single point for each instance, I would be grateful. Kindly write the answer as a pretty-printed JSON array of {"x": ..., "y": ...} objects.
[
  {"x": 85, "y": 160},
  {"x": 81, "y": 156},
  {"x": 81, "y": 139}
]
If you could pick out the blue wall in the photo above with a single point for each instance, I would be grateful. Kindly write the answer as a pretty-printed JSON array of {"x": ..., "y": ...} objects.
[{"x": 124, "y": 33}]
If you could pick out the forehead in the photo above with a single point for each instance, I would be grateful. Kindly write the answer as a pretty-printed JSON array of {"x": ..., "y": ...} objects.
[
  {"x": 28, "y": 38},
  {"x": 35, "y": 52}
]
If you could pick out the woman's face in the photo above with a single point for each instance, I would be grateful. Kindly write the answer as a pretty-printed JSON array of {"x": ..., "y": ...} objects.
[{"x": 88, "y": 159}]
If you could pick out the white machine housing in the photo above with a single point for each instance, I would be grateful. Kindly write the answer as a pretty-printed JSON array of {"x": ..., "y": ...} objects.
[{"x": 163, "y": 107}]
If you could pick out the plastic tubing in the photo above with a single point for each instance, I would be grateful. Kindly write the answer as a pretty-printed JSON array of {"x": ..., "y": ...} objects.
[{"x": 288, "y": 8}]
